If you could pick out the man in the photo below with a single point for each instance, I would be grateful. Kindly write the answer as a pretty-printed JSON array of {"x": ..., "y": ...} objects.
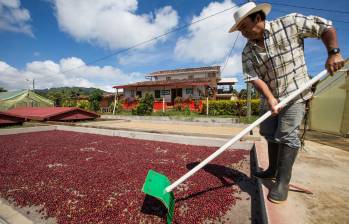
[{"x": 273, "y": 61}]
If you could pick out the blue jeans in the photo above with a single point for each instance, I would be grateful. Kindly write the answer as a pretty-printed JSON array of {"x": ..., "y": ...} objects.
[{"x": 284, "y": 128}]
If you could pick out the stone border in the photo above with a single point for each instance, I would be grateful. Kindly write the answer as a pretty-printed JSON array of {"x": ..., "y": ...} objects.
[
  {"x": 259, "y": 151},
  {"x": 203, "y": 120},
  {"x": 11, "y": 131},
  {"x": 172, "y": 138}
]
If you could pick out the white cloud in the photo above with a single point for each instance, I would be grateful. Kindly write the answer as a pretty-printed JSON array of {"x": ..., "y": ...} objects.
[
  {"x": 208, "y": 41},
  {"x": 48, "y": 74},
  {"x": 112, "y": 23},
  {"x": 13, "y": 18},
  {"x": 233, "y": 68}
]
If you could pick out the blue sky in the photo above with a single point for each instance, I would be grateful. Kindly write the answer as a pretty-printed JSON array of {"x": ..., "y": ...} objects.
[{"x": 55, "y": 41}]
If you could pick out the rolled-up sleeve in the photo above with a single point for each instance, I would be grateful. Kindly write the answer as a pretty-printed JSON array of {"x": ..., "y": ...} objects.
[
  {"x": 311, "y": 26},
  {"x": 248, "y": 69}
]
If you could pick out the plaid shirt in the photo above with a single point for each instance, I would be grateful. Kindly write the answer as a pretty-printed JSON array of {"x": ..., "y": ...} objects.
[{"x": 281, "y": 64}]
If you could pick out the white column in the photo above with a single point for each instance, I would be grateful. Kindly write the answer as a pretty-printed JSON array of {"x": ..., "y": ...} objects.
[{"x": 207, "y": 106}]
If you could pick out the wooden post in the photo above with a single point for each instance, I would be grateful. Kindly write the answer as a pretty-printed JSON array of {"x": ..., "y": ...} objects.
[
  {"x": 116, "y": 93},
  {"x": 163, "y": 104}
]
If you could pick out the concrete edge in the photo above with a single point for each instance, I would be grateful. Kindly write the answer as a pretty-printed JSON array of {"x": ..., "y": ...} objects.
[
  {"x": 215, "y": 136},
  {"x": 174, "y": 119},
  {"x": 9, "y": 215},
  {"x": 264, "y": 211},
  {"x": 11, "y": 131},
  {"x": 171, "y": 138}
]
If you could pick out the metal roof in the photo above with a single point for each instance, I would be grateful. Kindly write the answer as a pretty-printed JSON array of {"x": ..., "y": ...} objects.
[
  {"x": 53, "y": 113},
  {"x": 7, "y": 119},
  {"x": 11, "y": 94}
]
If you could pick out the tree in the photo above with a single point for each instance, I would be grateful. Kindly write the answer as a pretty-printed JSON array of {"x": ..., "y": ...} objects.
[
  {"x": 56, "y": 97},
  {"x": 2, "y": 90},
  {"x": 95, "y": 98},
  {"x": 145, "y": 106},
  {"x": 243, "y": 94}
]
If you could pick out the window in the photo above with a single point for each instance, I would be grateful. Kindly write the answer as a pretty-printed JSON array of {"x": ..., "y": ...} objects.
[
  {"x": 189, "y": 91},
  {"x": 168, "y": 78},
  {"x": 132, "y": 93},
  {"x": 157, "y": 94},
  {"x": 190, "y": 76},
  {"x": 139, "y": 94}
]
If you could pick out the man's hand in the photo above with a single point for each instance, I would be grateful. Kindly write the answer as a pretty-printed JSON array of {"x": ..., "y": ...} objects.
[
  {"x": 272, "y": 102},
  {"x": 334, "y": 63}
]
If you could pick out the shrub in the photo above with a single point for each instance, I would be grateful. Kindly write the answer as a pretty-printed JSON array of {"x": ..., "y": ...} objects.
[
  {"x": 230, "y": 107},
  {"x": 69, "y": 103},
  {"x": 145, "y": 106},
  {"x": 178, "y": 103},
  {"x": 83, "y": 104},
  {"x": 187, "y": 111}
]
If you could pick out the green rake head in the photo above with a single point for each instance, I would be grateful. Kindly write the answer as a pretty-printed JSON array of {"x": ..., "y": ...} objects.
[{"x": 155, "y": 186}]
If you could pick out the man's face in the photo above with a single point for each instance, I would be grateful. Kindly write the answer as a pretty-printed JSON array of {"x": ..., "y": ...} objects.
[{"x": 251, "y": 30}]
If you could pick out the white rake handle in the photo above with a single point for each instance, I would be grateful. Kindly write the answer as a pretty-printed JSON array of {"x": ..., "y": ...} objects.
[{"x": 245, "y": 131}]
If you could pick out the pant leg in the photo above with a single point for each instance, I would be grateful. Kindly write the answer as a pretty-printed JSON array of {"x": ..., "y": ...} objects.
[
  {"x": 288, "y": 125},
  {"x": 268, "y": 128}
]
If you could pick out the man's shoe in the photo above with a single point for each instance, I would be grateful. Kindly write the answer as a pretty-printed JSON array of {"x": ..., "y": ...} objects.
[
  {"x": 270, "y": 173},
  {"x": 279, "y": 192}
]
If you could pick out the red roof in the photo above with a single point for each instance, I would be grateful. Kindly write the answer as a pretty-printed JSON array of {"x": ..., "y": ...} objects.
[
  {"x": 7, "y": 119},
  {"x": 53, "y": 113}
]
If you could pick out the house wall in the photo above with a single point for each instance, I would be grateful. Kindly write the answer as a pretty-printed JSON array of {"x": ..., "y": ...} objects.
[{"x": 198, "y": 91}]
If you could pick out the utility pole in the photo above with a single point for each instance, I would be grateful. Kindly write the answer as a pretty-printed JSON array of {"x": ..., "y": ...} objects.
[{"x": 33, "y": 84}]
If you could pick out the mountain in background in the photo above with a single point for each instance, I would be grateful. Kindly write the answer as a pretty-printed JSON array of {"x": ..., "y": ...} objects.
[
  {"x": 69, "y": 92},
  {"x": 66, "y": 96}
]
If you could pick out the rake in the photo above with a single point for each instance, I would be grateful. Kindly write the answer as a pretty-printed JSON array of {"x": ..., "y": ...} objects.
[{"x": 158, "y": 185}]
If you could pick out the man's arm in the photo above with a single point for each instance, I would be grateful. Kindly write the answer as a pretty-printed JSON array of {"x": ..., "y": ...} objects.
[
  {"x": 334, "y": 61},
  {"x": 263, "y": 88}
]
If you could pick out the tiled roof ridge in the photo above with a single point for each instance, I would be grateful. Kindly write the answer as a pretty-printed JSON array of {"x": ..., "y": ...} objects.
[
  {"x": 183, "y": 70},
  {"x": 167, "y": 82}
]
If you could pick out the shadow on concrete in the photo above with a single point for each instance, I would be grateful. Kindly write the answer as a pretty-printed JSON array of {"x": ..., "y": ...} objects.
[{"x": 336, "y": 141}]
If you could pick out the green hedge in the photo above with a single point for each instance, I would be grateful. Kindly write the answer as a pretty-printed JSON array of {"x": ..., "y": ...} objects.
[{"x": 231, "y": 107}]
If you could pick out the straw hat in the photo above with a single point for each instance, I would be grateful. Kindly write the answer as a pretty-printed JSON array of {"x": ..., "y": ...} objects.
[{"x": 248, "y": 9}]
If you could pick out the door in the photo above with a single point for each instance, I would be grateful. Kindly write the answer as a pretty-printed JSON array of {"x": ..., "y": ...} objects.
[{"x": 175, "y": 93}]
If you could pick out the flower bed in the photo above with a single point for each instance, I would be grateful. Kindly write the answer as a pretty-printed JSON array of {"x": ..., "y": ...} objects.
[{"x": 86, "y": 178}]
